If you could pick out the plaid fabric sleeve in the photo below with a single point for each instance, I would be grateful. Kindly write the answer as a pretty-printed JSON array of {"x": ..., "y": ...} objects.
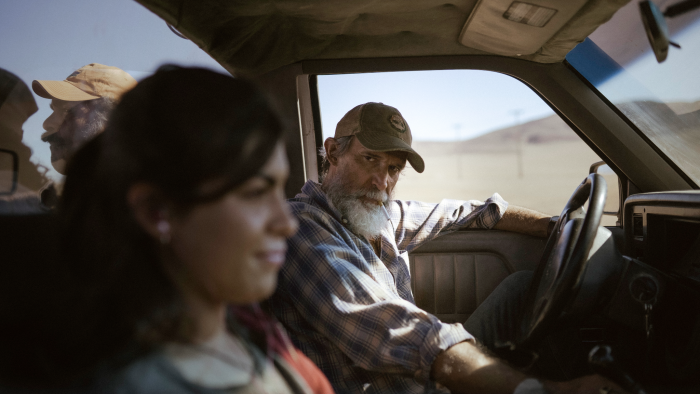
[
  {"x": 335, "y": 291},
  {"x": 418, "y": 222}
]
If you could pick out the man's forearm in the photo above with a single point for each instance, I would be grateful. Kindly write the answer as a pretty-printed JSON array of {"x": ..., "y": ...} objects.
[
  {"x": 463, "y": 368},
  {"x": 523, "y": 220}
]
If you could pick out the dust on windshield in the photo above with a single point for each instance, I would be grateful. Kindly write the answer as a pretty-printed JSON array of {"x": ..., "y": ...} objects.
[{"x": 661, "y": 99}]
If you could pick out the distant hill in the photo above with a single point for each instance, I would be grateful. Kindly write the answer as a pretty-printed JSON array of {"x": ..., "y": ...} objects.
[
  {"x": 681, "y": 118},
  {"x": 540, "y": 131}
]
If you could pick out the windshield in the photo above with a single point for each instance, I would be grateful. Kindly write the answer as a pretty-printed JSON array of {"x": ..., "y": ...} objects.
[{"x": 661, "y": 100}]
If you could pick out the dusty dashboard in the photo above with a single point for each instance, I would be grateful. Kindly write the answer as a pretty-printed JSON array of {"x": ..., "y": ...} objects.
[
  {"x": 659, "y": 292},
  {"x": 663, "y": 231}
]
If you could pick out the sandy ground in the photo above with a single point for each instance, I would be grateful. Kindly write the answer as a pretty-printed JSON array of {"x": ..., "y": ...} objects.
[{"x": 550, "y": 173}]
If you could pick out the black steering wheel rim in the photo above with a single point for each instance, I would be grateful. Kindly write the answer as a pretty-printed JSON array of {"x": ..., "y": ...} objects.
[{"x": 565, "y": 255}]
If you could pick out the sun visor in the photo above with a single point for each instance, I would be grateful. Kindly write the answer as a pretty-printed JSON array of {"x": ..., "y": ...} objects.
[{"x": 515, "y": 28}]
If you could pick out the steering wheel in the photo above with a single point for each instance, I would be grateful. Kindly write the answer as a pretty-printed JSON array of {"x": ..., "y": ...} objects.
[{"x": 563, "y": 262}]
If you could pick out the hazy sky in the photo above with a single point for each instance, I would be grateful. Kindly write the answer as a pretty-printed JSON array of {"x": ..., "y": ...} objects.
[{"x": 438, "y": 105}]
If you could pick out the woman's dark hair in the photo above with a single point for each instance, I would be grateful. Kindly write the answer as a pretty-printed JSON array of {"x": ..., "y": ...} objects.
[{"x": 176, "y": 130}]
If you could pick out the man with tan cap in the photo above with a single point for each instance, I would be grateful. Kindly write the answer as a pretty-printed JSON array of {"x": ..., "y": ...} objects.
[
  {"x": 344, "y": 292},
  {"x": 80, "y": 104}
]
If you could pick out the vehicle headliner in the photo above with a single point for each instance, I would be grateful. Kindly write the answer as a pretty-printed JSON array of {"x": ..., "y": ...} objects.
[{"x": 258, "y": 36}]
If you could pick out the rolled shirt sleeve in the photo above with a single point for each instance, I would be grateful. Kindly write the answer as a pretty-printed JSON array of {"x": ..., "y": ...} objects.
[{"x": 418, "y": 222}]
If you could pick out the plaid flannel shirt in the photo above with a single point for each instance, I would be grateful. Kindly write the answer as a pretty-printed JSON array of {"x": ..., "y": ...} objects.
[{"x": 352, "y": 312}]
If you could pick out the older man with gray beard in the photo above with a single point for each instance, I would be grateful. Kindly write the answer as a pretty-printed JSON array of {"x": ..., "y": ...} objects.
[{"x": 345, "y": 292}]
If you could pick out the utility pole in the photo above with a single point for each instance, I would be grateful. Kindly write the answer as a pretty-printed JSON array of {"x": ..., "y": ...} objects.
[
  {"x": 519, "y": 141},
  {"x": 457, "y": 127}
]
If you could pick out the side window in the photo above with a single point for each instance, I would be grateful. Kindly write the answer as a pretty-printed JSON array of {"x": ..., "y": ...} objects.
[
  {"x": 122, "y": 35},
  {"x": 478, "y": 132}
]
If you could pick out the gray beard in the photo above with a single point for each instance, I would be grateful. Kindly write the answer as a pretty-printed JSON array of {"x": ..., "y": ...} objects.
[{"x": 363, "y": 219}]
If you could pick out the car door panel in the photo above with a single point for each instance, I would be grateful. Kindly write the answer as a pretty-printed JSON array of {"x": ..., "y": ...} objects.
[{"x": 453, "y": 274}]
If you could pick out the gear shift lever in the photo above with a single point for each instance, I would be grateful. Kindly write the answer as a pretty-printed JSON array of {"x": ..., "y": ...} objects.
[{"x": 601, "y": 360}]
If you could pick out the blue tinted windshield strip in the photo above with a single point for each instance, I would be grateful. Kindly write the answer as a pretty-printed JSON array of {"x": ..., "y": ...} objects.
[
  {"x": 591, "y": 62},
  {"x": 634, "y": 127}
]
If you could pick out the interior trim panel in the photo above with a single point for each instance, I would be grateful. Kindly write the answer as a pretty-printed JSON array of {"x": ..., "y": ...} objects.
[
  {"x": 452, "y": 285},
  {"x": 453, "y": 274}
]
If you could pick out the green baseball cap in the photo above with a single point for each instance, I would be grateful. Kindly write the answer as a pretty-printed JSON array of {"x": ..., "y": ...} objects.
[{"x": 382, "y": 128}]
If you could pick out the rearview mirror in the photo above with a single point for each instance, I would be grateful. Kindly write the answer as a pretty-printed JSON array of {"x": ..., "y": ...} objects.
[
  {"x": 9, "y": 168},
  {"x": 656, "y": 27}
]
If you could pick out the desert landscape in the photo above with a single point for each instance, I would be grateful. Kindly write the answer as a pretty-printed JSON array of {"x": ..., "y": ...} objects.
[{"x": 536, "y": 165}]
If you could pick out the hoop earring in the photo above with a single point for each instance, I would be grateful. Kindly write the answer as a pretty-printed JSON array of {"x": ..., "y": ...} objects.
[{"x": 164, "y": 231}]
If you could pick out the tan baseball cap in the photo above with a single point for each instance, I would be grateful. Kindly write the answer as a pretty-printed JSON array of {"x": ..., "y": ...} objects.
[
  {"x": 382, "y": 128},
  {"x": 87, "y": 83}
]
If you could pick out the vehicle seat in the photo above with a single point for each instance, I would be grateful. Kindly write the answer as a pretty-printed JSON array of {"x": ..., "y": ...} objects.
[{"x": 29, "y": 279}]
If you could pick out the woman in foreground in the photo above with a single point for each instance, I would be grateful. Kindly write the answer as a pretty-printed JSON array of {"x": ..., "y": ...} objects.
[{"x": 175, "y": 226}]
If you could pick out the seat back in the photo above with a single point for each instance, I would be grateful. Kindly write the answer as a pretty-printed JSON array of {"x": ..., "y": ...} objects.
[
  {"x": 453, "y": 274},
  {"x": 30, "y": 275}
]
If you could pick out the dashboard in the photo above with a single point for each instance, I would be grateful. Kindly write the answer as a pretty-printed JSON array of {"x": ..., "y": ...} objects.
[
  {"x": 663, "y": 231},
  {"x": 658, "y": 295}
]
